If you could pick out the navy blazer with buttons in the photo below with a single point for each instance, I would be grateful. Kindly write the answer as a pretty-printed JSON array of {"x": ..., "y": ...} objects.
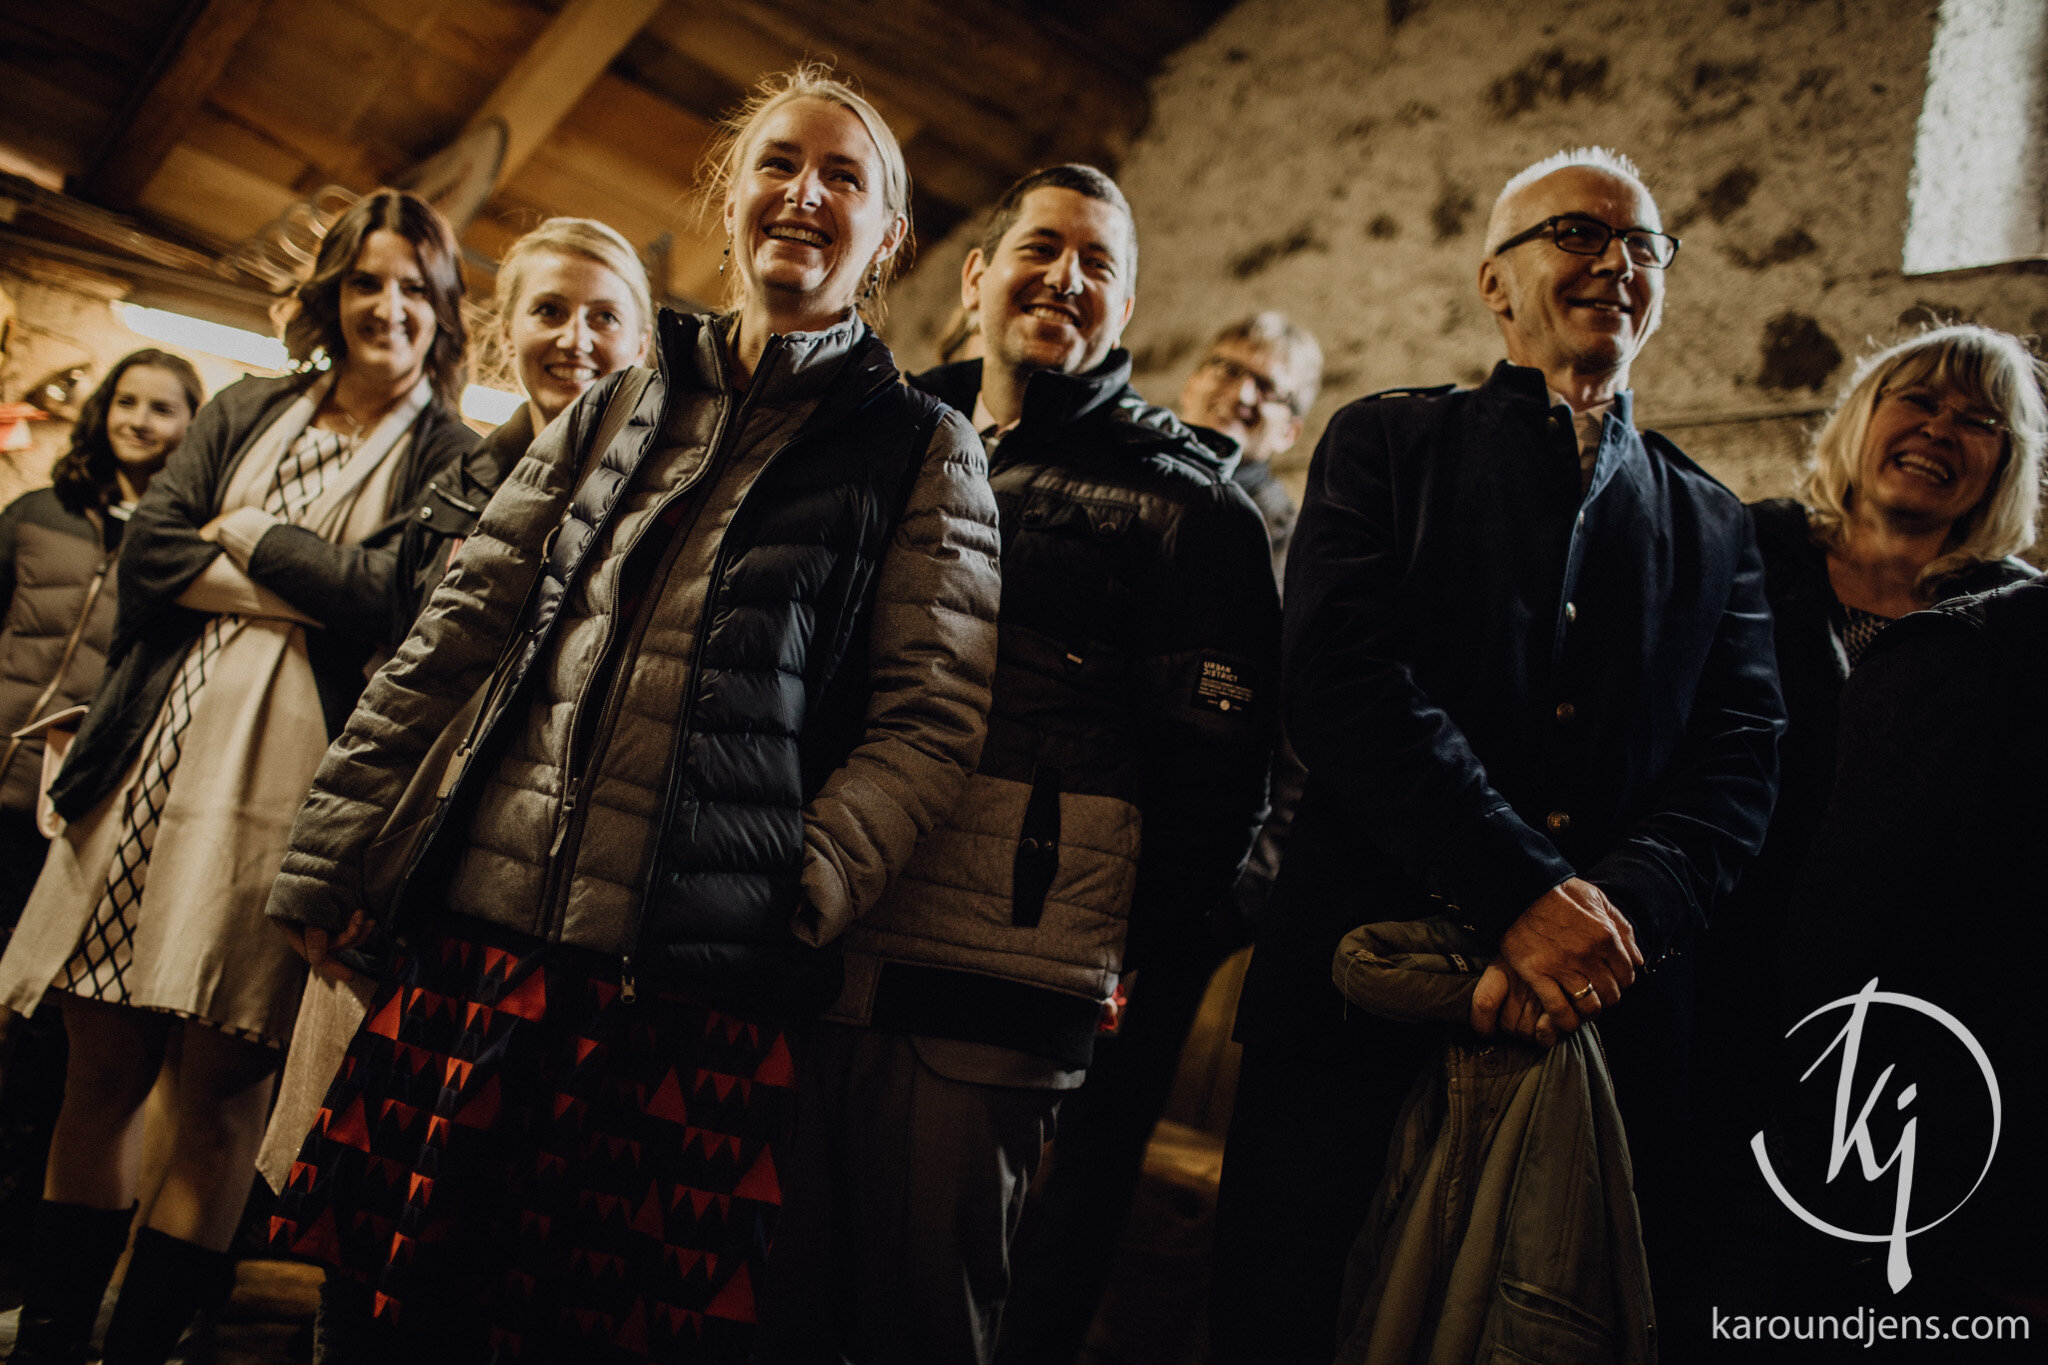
[{"x": 1497, "y": 683}]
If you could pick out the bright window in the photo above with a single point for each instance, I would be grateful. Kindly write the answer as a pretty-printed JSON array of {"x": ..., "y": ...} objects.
[{"x": 1980, "y": 163}]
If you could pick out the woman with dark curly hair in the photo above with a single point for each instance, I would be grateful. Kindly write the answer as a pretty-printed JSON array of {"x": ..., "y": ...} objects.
[
  {"x": 255, "y": 589},
  {"x": 57, "y": 548}
]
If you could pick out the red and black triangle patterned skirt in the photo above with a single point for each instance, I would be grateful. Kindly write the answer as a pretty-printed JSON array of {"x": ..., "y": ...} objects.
[{"x": 542, "y": 1170}]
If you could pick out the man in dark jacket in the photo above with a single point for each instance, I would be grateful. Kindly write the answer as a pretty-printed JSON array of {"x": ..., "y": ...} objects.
[
  {"x": 1136, "y": 651},
  {"x": 1254, "y": 383},
  {"x": 1528, "y": 666}
]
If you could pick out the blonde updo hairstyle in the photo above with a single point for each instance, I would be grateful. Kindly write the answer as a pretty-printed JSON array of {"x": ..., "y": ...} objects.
[
  {"x": 585, "y": 237},
  {"x": 811, "y": 81},
  {"x": 1984, "y": 366}
]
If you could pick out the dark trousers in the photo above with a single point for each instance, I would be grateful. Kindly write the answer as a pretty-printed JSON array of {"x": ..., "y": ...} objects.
[
  {"x": 899, "y": 1203},
  {"x": 1074, "y": 1221},
  {"x": 1308, "y": 1141}
]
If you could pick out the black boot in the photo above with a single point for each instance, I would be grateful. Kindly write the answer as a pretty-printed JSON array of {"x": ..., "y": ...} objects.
[
  {"x": 169, "y": 1280},
  {"x": 341, "y": 1324},
  {"x": 75, "y": 1251}
]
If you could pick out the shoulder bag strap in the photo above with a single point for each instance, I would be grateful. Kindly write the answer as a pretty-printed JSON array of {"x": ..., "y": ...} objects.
[{"x": 92, "y": 596}]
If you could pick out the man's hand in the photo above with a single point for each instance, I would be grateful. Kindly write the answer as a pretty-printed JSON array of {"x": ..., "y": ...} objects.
[
  {"x": 1574, "y": 950},
  {"x": 317, "y": 945},
  {"x": 1501, "y": 1003}
]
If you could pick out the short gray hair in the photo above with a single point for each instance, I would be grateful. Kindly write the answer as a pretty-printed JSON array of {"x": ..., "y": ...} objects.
[
  {"x": 1598, "y": 158},
  {"x": 1292, "y": 344}
]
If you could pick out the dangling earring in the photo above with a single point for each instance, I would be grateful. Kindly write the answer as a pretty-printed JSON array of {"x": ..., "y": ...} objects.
[
  {"x": 723, "y": 257},
  {"x": 873, "y": 282}
]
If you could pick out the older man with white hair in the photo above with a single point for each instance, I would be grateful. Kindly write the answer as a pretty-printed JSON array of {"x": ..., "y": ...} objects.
[{"x": 1528, "y": 664}]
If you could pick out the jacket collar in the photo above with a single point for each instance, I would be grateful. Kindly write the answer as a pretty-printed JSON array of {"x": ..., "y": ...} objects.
[
  {"x": 794, "y": 366},
  {"x": 840, "y": 367},
  {"x": 1523, "y": 390},
  {"x": 1521, "y": 386},
  {"x": 1102, "y": 398},
  {"x": 1250, "y": 475}
]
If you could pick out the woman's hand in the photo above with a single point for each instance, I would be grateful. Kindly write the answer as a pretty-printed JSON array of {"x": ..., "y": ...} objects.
[
  {"x": 211, "y": 531},
  {"x": 317, "y": 946}
]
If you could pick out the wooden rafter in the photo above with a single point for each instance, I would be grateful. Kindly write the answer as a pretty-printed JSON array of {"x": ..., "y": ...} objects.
[
  {"x": 160, "y": 117},
  {"x": 563, "y": 63}
]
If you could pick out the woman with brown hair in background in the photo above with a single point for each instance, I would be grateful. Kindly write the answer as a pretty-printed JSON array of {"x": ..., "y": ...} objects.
[
  {"x": 736, "y": 614},
  {"x": 237, "y": 648},
  {"x": 57, "y": 579}
]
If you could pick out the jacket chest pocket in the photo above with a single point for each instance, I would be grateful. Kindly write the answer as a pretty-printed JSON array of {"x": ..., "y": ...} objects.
[{"x": 1065, "y": 573}]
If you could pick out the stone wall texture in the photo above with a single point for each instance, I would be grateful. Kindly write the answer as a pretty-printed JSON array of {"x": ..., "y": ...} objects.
[{"x": 1338, "y": 159}]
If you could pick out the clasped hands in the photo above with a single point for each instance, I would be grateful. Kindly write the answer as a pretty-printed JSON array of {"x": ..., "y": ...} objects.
[
  {"x": 1561, "y": 962},
  {"x": 318, "y": 946}
]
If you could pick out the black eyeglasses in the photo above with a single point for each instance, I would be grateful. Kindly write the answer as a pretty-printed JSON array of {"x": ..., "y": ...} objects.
[
  {"x": 1589, "y": 237},
  {"x": 1235, "y": 373}
]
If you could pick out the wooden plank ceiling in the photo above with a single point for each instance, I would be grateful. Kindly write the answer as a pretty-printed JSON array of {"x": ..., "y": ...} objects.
[{"x": 207, "y": 120}]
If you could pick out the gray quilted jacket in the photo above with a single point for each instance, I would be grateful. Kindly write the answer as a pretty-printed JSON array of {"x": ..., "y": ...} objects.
[{"x": 736, "y": 672}]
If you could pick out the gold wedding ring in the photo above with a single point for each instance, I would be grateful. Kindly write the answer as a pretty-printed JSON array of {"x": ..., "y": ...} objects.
[{"x": 1583, "y": 991}]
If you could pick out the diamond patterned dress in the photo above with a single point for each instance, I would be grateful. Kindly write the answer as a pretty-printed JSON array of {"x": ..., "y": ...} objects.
[{"x": 99, "y": 969}]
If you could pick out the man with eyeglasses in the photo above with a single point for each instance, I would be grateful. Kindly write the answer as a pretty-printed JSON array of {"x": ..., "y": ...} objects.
[
  {"x": 1255, "y": 385},
  {"x": 1528, "y": 664}
]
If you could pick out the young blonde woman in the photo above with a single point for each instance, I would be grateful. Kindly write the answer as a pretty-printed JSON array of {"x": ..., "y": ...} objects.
[
  {"x": 573, "y": 306},
  {"x": 738, "y": 661},
  {"x": 240, "y": 639}
]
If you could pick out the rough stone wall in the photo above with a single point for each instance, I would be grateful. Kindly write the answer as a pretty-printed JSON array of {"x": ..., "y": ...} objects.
[{"x": 1337, "y": 158}]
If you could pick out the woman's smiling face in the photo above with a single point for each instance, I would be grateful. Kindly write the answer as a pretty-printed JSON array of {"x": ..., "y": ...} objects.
[
  {"x": 1930, "y": 453},
  {"x": 147, "y": 417},
  {"x": 575, "y": 321},
  {"x": 387, "y": 310},
  {"x": 807, "y": 215}
]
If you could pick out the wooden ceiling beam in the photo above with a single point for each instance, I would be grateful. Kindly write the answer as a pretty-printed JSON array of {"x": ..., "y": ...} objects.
[
  {"x": 976, "y": 68},
  {"x": 138, "y": 151},
  {"x": 553, "y": 75}
]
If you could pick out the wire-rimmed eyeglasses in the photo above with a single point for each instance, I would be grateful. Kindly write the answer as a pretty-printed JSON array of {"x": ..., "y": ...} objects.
[
  {"x": 1584, "y": 236},
  {"x": 1236, "y": 372}
]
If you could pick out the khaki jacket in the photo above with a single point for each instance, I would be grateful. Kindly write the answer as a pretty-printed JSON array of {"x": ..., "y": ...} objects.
[{"x": 1505, "y": 1228}]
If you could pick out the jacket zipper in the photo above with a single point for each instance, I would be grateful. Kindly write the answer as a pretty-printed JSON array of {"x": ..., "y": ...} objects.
[
  {"x": 568, "y": 817},
  {"x": 689, "y": 709}
]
